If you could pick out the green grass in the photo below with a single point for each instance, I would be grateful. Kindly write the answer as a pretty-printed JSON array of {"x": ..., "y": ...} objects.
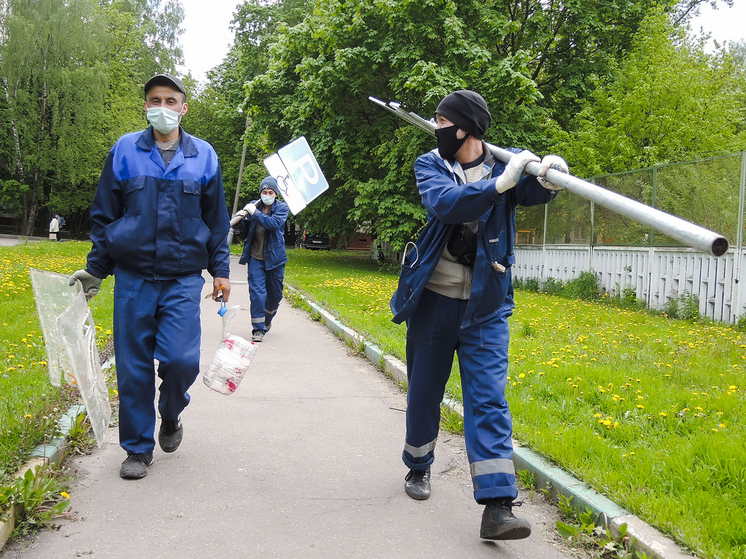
[
  {"x": 29, "y": 404},
  {"x": 647, "y": 410}
]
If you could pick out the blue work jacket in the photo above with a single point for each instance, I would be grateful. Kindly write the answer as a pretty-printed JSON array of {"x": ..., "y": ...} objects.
[
  {"x": 448, "y": 203},
  {"x": 159, "y": 222},
  {"x": 274, "y": 237}
]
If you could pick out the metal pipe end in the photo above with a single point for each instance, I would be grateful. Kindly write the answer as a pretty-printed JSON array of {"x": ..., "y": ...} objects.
[{"x": 719, "y": 246}]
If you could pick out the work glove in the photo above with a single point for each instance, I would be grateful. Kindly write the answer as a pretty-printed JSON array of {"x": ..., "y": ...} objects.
[
  {"x": 551, "y": 162},
  {"x": 91, "y": 284},
  {"x": 239, "y": 214},
  {"x": 514, "y": 169},
  {"x": 250, "y": 207}
]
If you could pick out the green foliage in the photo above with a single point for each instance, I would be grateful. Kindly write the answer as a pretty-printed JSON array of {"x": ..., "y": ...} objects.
[
  {"x": 584, "y": 287},
  {"x": 552, "y": 286},
  {"x": 451, "y": 421},
  {"x": 627, "y": 298},
  {"x": 40, "y": 497},
  {"x": 72, "y": 83},
  {"x": 582, "y": 531},
  {"x": 741, "y": 324},
  {"x": 531, "y": 61},
  {"x": 684, "y": 307},
  {"x": 669, "y": 101},
  {"x": 527, "y": 479}
]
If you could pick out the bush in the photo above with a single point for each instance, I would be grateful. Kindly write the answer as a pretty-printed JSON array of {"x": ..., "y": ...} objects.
[
  {"x": 627, "y": 299},
  {"x": 528, "y": 284},
  {"x": 583, "y": 287},
  {"x": 552, "y": 286},
  {"x": 685, "y": 307},
  {"x": 741, "y": 324}
]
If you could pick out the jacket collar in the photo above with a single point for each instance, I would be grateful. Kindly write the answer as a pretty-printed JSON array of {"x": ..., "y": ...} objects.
[{"x": 146, "y": 141}]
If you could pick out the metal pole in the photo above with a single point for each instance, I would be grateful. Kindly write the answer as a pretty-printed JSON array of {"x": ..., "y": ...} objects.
[
  {"x": 676, "y": 228},
  {"x": 238, "y": 183}
]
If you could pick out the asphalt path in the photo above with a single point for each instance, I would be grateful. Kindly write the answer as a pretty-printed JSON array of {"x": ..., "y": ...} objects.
[{"x": 303, "y": 460}]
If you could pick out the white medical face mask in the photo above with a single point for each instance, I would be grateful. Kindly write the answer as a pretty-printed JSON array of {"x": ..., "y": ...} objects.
[
  {"x": 268, "y": 199},
  {"x": 164, "y": 120}
]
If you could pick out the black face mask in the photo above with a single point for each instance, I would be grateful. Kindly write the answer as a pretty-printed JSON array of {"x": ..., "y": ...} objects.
[{"x": 448, "y": 143}]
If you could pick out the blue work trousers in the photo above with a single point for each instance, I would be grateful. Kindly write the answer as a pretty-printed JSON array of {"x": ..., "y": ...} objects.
[
  {"x": 154, "y": 320},
  {"x": 434, "y": 334},
  {"x": 265, "y": 292}
]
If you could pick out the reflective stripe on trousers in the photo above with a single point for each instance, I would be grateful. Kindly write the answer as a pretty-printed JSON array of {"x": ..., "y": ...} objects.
[
  {"x": 265, "y": 292},
  {"x": 434, "y": 334}
]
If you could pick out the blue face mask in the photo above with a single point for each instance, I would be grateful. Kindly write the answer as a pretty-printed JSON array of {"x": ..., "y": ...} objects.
[{"x": 268, "y": 199}]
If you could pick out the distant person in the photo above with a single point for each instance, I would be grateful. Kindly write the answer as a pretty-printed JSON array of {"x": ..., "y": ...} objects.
[
  {"x": 456, "y": 294},
  {"x": 54, "y": 228},
  {"x": 264, "y": 252},
  {"x": 158, "y": 220},
  {"x": 60, "y": 220}
]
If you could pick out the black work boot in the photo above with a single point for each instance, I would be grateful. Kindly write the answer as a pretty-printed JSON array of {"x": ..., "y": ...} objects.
[
  {"x": 498, "y": 522},
  {"x": 136, "y": 466},
  {"x": 170, "y": 435},
  {"x": 417, "y": 484}
]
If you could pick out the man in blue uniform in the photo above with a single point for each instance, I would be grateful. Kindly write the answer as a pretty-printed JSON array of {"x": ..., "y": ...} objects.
[
  {"x": 456, "y": 294},
  {"x": 158, "y": 220},
  {"x": 264, "y": 252}
]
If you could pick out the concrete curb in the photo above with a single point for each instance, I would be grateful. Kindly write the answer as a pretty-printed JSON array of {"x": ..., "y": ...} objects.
[
  {"x": 555, "y": 480},
  {"x": 50, "y": 453}
]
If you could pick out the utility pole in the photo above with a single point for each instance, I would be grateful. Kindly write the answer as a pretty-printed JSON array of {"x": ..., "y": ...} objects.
[{"x": 238, "y": 183}]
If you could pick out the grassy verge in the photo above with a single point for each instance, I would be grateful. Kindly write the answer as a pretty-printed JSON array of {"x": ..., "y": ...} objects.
[
  {"x": 29, "y": 404},
  {"x": 647, "y": 410}
]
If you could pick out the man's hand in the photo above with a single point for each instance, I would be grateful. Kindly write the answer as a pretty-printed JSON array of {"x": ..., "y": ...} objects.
[
  {"x": 91, "y": 284},
  {"x": 251, "y": 208},
  {"x": 551, "y": 162},
  {"x": 514, "y": 169},
  {"x": 221, "y": 285}
]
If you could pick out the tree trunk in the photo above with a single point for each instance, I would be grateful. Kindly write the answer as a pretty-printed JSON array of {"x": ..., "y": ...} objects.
[{"x": 36, "y": 186}]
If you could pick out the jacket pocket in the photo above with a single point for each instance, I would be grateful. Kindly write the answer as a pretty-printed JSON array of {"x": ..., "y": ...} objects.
[
  {"x": 190, "y": 200},
  {"x": 134, "y": 196}
]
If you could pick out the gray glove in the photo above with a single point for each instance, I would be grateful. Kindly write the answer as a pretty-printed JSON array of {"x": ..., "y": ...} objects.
[
  {"x": 514, "y": 169},
  {"x": 91, "y": 284},
  {"x": 551, "y": 162}
]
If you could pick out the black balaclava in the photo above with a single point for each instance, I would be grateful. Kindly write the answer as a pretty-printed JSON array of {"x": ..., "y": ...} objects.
[{"x": 468, "y": 111}]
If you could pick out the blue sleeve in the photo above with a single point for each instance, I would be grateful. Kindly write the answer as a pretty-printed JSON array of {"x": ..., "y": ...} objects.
[
  {"x": 215, "y": 215},
  {"x": 529, "y": 192},
  {"x": 108, "y": 206},
  {"x": 448, "y": 201},
  {"x": 273, "y": 221}
]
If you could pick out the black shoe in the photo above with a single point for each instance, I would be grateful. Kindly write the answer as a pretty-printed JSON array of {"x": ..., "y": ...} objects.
[
  {"x": 170, "y": 435},
  {"x": 417, "y": 484},
  {"x": 498, "y": 522},
  {"x": 136, "y": 466},
  {"x": 267, "y": 326},
  {"x": 257, "y": 335}
]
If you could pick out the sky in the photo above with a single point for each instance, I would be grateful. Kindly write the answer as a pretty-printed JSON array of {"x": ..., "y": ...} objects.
[{"x": 207, "y": 36}]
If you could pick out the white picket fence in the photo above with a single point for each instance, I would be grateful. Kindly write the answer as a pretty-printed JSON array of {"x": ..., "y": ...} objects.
[{"x": 655, "y": 273}]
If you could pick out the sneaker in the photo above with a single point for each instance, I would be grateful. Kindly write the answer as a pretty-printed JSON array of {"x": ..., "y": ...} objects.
[
  {"x": 499, "y": 523},
  {"x": 257, "y": 335},
  {"x": 170, "y": 435},
  {"x": 417, "y": 484},
  {"x": 136, "y": 466}
]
